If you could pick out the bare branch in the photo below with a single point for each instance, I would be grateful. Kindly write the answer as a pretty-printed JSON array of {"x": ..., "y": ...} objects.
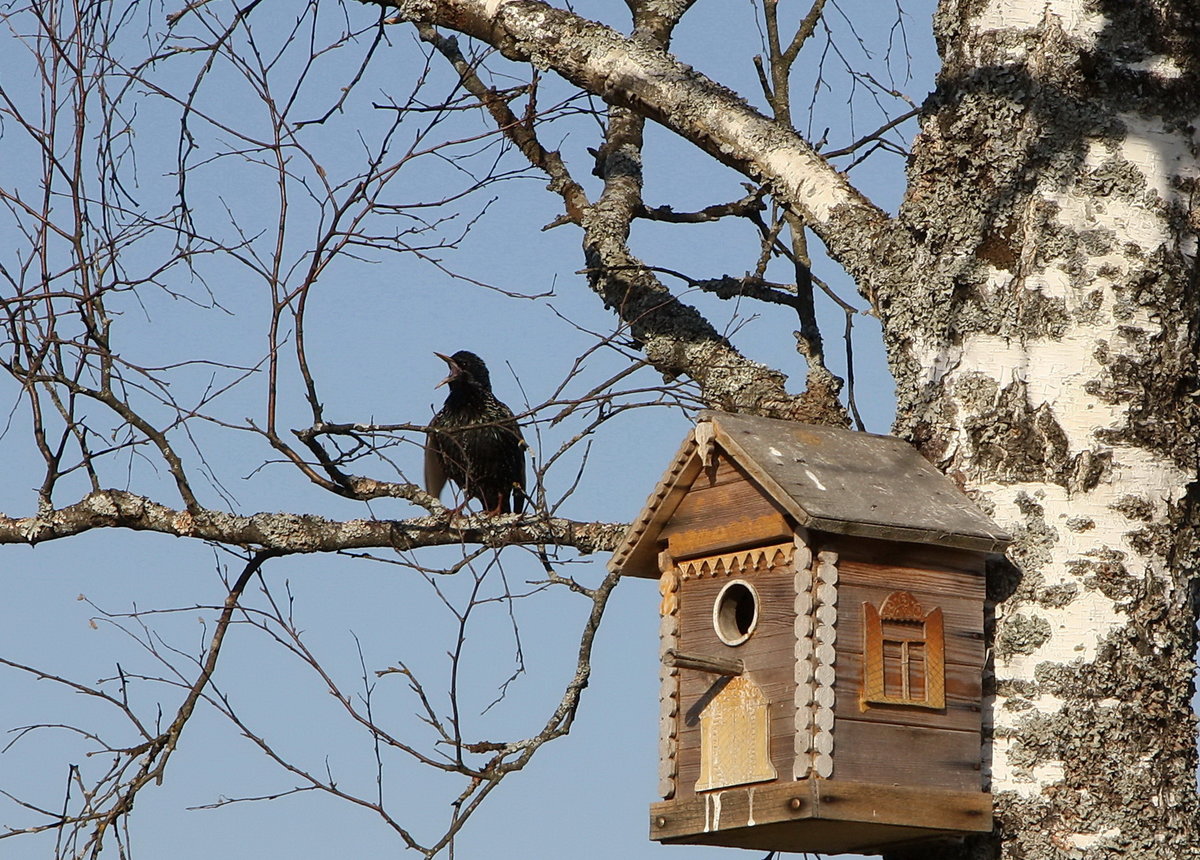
[
  {"x": 658, "y": 86},
  {"x": 288, "y": 533}
]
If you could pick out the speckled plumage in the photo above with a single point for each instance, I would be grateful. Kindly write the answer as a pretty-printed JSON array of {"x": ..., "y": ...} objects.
[{"x": 475, "y": 441}]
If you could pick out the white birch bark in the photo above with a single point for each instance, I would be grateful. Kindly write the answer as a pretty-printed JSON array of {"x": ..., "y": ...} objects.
[{"x": 1050, "y": 366}]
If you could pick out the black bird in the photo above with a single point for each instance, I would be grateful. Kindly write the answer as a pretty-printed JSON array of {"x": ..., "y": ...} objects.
[{"x": 475, "y": 441}]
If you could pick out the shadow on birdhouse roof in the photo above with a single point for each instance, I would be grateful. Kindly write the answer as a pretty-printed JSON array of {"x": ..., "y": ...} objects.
[{"x": 825, "y": 479}]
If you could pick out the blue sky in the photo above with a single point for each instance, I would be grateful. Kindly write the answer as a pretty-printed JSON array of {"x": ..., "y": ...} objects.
[{"x": 374, "y": 320}]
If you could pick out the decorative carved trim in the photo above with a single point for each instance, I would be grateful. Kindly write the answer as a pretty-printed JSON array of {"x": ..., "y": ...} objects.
[
  {"x": 901, "y": 606},
  {"x": 668, "y": 676},
  {"x": 741, "y": 563},
  {"x": 805, "y": 648},
  {"x": 705, "y": 446},
  {"x": 824, "y": 657},
  {"x": 903, "y": 642},
  {"x": 666, "y": 485},
  {"x": 735, "y": 737},
  {"x": 668, "y": 585}
]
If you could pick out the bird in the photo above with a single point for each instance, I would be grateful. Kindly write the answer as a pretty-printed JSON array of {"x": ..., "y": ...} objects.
[{"x": 475, "y": 441}]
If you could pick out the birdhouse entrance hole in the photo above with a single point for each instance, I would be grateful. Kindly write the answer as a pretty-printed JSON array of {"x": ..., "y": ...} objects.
[{"x": 735, "y": 612}]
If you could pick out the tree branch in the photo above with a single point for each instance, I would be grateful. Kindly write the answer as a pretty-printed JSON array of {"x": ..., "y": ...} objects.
[
  {"x": 674, "y": 336},
  {"x": 651, "y": 81},
  {"x": 288, "y": 533}
]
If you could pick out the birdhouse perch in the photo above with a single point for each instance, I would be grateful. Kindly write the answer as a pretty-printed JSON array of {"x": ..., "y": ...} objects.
[{"x": 821, "y": 640}]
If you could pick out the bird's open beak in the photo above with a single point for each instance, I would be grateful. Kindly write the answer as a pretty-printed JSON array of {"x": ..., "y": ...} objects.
[{"x": 454, "y": 370}]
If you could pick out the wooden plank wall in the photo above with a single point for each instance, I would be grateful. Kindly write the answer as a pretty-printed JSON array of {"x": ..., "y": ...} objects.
[
  {"x": 886, "y": 744},
  {"x": 899, "y": 744},
  {"x": 723, "y": 510},
  {"x": 726, "y": 511},
  {"x": 768, "y": 655}
]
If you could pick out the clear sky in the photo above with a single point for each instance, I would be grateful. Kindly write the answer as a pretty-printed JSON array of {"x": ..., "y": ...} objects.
[{"x": 373, "y": 323}]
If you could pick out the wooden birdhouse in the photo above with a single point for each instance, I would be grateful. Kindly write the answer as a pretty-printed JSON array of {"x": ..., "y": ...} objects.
[{"x": 821, "y": 640}]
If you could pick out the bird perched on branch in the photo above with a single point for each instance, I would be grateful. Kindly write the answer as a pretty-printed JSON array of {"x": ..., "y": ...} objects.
[{"x": 475, "y": 441}]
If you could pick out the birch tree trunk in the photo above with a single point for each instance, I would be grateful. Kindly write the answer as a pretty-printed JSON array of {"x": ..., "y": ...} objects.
[
  {"x": 1039, "y": 298},
  {"x": 1050, "y": 364}
]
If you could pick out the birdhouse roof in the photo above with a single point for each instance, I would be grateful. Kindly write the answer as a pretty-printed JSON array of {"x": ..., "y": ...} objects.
[{"x": 827, "y": 479}]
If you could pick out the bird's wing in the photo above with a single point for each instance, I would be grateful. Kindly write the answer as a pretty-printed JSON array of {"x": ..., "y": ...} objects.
[{"x": 435, "y": 473}]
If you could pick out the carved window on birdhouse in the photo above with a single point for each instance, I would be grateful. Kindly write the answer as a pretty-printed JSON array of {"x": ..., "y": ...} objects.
[{"x": 904, "y": 654}]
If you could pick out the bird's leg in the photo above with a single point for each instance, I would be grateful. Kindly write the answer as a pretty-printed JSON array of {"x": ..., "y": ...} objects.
[{"x": 518, "y": 493}]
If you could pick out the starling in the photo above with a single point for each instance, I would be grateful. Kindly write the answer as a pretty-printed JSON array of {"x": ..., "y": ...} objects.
[{"x": 475, "y": 441}]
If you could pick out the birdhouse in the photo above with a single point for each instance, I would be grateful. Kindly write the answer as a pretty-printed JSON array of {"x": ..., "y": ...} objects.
[{"x": 821, "y": 640}]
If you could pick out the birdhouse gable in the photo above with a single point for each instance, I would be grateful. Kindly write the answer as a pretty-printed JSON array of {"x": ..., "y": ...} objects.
[
  {"x": 706, "y": 502},
  {"x": 723, "y": 509}
]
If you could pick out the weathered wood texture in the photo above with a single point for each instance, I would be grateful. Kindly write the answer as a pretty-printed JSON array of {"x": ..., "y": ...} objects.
[
  {"x": 899, "y": 744},
  {"x": 891, "y": 754},
  {"x": 723, "y": 510},
  {"x": 907, "y": 555},
  {"x": 768, "y": 658},
  {"x": 850, "y": 483},
  {"x": 746, "y": 530},
  {"x": 898, "y": 765},
  {"x": 827, "y": 816},
  {"x": 703, "y": 663}
]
